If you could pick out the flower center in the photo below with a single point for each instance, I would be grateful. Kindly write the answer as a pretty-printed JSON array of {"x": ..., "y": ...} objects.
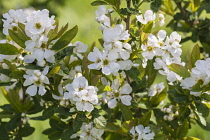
[
  {"x": 38, "y": 25},
  {"x": 105, "y": 62},
  {"x": 149, "y": 48}
]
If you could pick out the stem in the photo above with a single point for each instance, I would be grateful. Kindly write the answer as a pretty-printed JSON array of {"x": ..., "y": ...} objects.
[
  {"x": 128, "y": 17},
  {"x": 183, "y": 11}
]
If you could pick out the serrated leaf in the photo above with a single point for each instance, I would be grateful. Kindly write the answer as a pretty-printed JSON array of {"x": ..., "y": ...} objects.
[
  {"x": 65, "y": 39},
  {"x": 8, "y": 49},
  {"x": 180, "y": 70},
  {"x": 98, "y": 2}
]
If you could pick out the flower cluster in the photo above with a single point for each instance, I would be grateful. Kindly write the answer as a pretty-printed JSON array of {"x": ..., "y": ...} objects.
[
  {"x": 167, "y": 50},
  {"x": 115, "y": 54},
  {"x": 200, "y": 75},
  {"x": 150, "y": 16},
  {"x": 89, "y": 132},
  {"x": 141, "y": 133},
  {"x": 156, "y": 88},
  {"x": 80, "y": 94},
  {"x": 37, "y": 25}
]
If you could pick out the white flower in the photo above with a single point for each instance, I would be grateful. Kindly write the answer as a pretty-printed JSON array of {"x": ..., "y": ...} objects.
[
  {"x": 82, "y": 95},
  {"x": 39, "y": 22},
  {"x": 63, "y": 97},
  {"x": 80, "y": 48},
  {"x": 148, "y": 16},
  {"x": 89, "y": 132},
  {"x": 118, "y": 93},
  {"x": 161, "y": 19},
  {"x": 104, "y": 61},
  {"x": 40, "y": 55},
  {"x": 156, "y": 88},
  {"x": 101, "y": 16},
  {"x": 141, "y": 133},
  {"x": 37, "y": 80},
  {"x": 115, "y": 33},
  {"x": 13, "y": 17}
]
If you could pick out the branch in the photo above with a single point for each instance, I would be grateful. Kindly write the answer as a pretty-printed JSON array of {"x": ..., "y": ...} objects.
[{"x": 128, "y": 17}]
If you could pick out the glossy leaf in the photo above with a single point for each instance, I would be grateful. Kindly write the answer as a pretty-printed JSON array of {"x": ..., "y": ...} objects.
[
  {"x": 65, "y": 39},
  {"x": 8, "y": 49}
]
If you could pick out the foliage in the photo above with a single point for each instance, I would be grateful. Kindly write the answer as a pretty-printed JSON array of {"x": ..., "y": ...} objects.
[{"x": 107, "y": 91}]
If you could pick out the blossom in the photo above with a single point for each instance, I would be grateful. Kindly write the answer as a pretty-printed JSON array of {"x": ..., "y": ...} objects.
[
  {"x": 89, "y": 132},
  {"x": 156, "y": 88},
  {"x": 80, "y": 48},
  {"x": 37, "y": 80},
  {"x": 12, "y": 18},
  {"x": 115, "y": 33},
  {"x": 118, "y": 93},
  {"x": 101, "y": 16},
  {"x": 39, "y": 22},
  {"x": 104, "y": 61},
  {"x": 82, "y": 95},
  {"x": 161, "y": 19},
  {"x": 148, "y": 16},
  {"x": 141, "y": 133}
]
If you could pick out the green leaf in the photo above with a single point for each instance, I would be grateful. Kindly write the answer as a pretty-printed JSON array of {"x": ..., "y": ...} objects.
[
  {"x": 26, "y": 131},
  {"x": 191, "y": 138},
  {"x": 5, "y": 71},
  {"x": 62, "y": 30},
  {"x": 113, "y": 128},
  {"x": 148, "y": 27},
  {"x": 101, "y": 121},
  {"x": 63, "y": 111},
  {"x": 145, "y": 119},
  {"x": 8, "y": 49},
  {"x": 180, "y": 70},
  {"x": 16, "y": 38},
  {"x": 63, "y": 53},
  {"x": 183, "y": 129},
  {"x": 126, "y": 112},
  {"x": 65, "y": 39},
  {"x": 56, "y": 135},
  {"x": 195, "y": 55},
  {"x": 47, "y": 113},
  {"x": 54, "y": 70},
  {"x": 157, "y": 99},
  {"x": 76, "y": 125},
  {"x": 18, "y": 74},
  {"x": 133, "y": 73},
  {"x": 13, "y": 123},
  {"x": 127, "y": 125},
  {"x": 202, "y": 108},
  {"x": 98, "y": 2},
  {"x": 66, "y": 134},
  {"x": 6, "y": 83}
]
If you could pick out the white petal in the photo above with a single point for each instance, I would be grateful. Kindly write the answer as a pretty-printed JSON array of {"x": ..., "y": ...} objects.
[
  {"x": 42, "y": 90},
  {"x": 126, "y": 99},
  {"x": 112, "y": 103},
  {"x": 126, "y": 89},
  {"x": 32, "y": 90}
]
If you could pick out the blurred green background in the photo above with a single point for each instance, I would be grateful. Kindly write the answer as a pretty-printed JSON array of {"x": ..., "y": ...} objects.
[{"x": 81, "y": 13}]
